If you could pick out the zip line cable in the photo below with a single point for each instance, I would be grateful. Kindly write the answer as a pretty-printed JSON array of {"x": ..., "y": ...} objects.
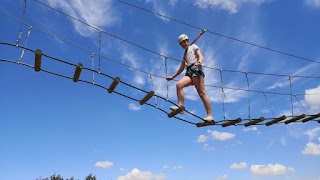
[
  {"x": 221, "y": 35},
  {"x": 154, "y": 52},
  {"x": 60, "y": 75}
]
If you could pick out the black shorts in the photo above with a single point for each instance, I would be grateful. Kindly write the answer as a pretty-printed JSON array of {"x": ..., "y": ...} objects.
[{"x": 195, "y": 71}]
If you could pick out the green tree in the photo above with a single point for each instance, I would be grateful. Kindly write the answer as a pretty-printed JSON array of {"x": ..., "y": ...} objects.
[
  {"x": 56, "y": 177},
  {"x": 59, "y": 177},
  {"x": 91, "y": 177}
]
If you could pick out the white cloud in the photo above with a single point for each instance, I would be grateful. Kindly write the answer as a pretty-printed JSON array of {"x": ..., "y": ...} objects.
[
  {"x": 139, "y": 79},
  {"x": 224, "y": 177},
  {"x": 313, "y": 100},
  {"x": 232, "y": 6},
  {"x": 129, "y": 57},
  {"x": 97, "y": 13},
  {"x": 270, "y": 170},
  {"x": 304, "y": 71},
  {"x": 134, "y": 107},
  {"x": 253, "y": 128},
  {"x": 136, "y": 174},
  {"x": 313, "y": 133},
  {"x": 280, "y": 84},
  {"x": 313, "y": 3},
  {"x": 311, "y": 149},
  {"x": 104, "y": 164},
  {"x": 160, "y": 8},
  {"x": 202, "y": 138},
  {"x": 227, "y": 5},
  {"x": 231, "y": 95},
  {"x": 222, "y": 136},
  {"x": 241, "y": 165}
]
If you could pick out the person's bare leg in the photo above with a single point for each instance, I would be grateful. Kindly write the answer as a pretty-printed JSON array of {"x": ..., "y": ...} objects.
[
  {"x": 182, "y": 83},
  {"x": 199, "y": 84}
]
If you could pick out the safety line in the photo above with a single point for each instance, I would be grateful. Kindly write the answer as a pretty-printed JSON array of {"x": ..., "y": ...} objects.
[
  {"x": 291, "y": 95},
  {"x": 154, "y": 52},
  {"x": 269, "y": 104},
  {"x": 226, "y": 70},
  {"x": 22, "y": 19},
  {"x": 223, "y": 96},
  {"x": 154, "y": 74},
  {"x": 249, "y": 103},
  {"x": 301, "y": 104},
  {"x": 222, "y": 35}
]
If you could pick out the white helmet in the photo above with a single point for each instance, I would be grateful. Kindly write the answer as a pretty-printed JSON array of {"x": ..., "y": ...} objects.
[{"x": 182, "y": 37}]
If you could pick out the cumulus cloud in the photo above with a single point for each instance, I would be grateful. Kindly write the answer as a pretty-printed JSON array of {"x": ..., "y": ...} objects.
[
  {"x": 311, "y": 149},
  {"x": 313, "y": 3},
  {"x": 136, "y": 174},
  {"x": 214, "y": 135},
  {"x": 232, "y": 6},
  {"x": 104, "y": 164},
  {"x": 97, "y": 13},
  {"x": 222, "y": 136},
  {"x": 241, "y": 165},
  {"x": 313, "y": 100},
  {"x": 270, "y": 170}
]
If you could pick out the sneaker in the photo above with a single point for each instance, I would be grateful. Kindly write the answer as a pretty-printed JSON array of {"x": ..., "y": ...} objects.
[
  {"x": 208, "y": 118},
  {"x": 173, "y": 108}
]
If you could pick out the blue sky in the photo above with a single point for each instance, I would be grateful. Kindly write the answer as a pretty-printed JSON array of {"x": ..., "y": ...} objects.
[{"x": 52, "y": 125}]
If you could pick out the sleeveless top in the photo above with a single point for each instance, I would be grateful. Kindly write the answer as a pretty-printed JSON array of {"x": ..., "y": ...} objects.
[{"x": 189, "y": 56}]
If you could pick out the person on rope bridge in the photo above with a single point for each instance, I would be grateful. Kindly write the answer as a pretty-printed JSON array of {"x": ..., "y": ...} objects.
[{"x": 192, "y": 60}]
